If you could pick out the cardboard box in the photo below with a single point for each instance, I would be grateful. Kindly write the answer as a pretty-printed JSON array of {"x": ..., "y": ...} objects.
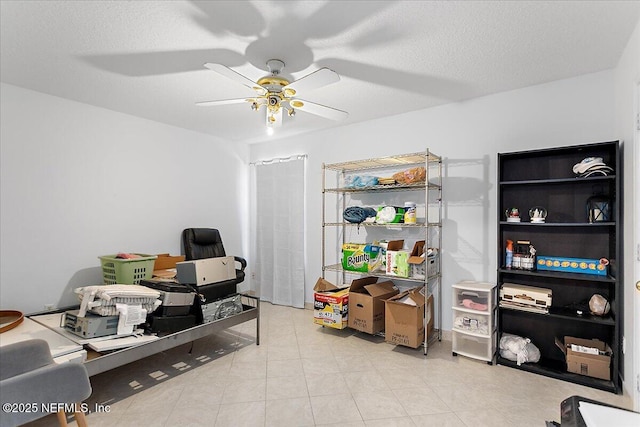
[
  {"x": 430, "y": 316},
  {"x": 573, "y": 265},
  {"x": 366, "y": 304},
  {"x": 166, "y": 261},
  {"x": 384, "y": 246},
  {"x": 165, "y": 266},
  {"x": 362, "y": 257},
  {"x": 416, "y": 253},
  {"x": 581, "y": 361},
  {"x": 405, "y": 318},
  {"x": 419, "y": 264},
  {"x": 397, "y": 260},
  {"x": 330, "y": 304}
]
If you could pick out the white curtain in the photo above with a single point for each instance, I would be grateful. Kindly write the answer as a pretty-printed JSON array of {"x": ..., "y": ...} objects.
[{"x": 279, "y": 248}]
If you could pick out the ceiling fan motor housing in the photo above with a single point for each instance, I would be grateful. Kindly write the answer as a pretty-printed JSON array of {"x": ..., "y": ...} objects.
[{"x": 275, "y": 66}]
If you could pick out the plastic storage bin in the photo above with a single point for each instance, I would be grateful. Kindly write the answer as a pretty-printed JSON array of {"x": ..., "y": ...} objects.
[
  {"x": 479, "y": 324},
  {"x": 126, "y": 271},
  {"x": 474, "y": 320},
  {"x": 474, "y": 296},
  {"x": 476, "y": 347}
]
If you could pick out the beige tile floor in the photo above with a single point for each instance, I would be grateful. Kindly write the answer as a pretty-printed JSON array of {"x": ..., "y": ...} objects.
[{"x": 304, "y": 375}]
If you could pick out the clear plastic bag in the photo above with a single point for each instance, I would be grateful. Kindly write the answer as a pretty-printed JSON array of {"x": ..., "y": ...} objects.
[{"x": 518, "y": 349}]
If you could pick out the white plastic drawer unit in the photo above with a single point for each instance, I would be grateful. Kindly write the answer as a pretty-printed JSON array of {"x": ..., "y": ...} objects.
[
  {"x": 476, "y": 347},
  {"x": 474, "y": 320},
  {"x": 481, "y": 325},
  {"x": 474, "y": 296}
]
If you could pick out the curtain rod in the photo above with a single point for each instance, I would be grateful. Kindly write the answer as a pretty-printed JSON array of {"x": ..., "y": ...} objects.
[{"x": 278, "y": 159}]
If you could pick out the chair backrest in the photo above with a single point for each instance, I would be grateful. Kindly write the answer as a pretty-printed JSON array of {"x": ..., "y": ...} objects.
[
  {"x": 200, "y": 243},
  {"x": 13, "y": 357},
  {"x": 29, "y": 375}
]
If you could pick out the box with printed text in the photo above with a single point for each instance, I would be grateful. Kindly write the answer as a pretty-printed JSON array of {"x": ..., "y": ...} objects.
[
  {"x": 330, "y": 304},
  {"x": 405, "y": 318},
  {"x": 366, "y": 300}
]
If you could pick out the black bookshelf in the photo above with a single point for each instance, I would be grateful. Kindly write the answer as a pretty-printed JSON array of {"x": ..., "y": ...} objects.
[{"x": 546, "y": 178}]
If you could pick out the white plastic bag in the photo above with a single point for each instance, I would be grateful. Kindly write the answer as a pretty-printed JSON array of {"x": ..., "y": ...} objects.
[{"x": 518, "y": 349}]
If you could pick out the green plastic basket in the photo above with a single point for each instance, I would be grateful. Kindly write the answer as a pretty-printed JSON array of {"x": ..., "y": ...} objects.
[{"x": 126, "y": 271}]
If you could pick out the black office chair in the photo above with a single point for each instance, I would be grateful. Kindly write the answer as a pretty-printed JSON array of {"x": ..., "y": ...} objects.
[{"x": 201, "y": 243}]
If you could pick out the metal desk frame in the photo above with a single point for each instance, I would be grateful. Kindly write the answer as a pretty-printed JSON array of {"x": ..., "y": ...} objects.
[
  {"x": 106, "y": 362},
  {"x": 118, "y": 358}
]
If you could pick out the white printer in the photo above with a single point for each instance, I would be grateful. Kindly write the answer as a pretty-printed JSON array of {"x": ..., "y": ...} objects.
[{"x": 206, "y": 271}]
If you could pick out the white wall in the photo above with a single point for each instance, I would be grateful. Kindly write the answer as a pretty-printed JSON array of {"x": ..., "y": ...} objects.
[
  {"x": 468, "y": 135},
  {"x": 78, "y": 182},
  {"x": 627, "y": 77}
]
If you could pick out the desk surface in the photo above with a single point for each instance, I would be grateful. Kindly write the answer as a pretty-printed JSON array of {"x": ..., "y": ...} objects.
[
  {"x": 29, "y": 329},
  {"x": 53, "y": 321},
  {"x": 47, "y": 327}
]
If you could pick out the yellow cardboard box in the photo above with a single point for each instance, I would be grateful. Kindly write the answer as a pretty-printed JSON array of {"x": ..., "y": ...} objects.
[{"x": 330, "y": 304}]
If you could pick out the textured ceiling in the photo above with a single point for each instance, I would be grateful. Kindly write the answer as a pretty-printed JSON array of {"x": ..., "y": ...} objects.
[{"x": 146, "y": 58}]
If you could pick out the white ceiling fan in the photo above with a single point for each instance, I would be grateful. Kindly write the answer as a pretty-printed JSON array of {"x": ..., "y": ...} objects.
[{"x": 278, "y": 94}]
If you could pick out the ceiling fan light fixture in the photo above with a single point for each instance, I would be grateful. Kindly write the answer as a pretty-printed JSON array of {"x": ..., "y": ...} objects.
[
  {"x": 276, "y": 93},
  {"x": 274, "y": 101}
]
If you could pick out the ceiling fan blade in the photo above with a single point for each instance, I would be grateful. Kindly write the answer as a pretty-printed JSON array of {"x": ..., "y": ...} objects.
[
  {"x": 234, "y": 75},
  {"x": 317, "y": 79},
  {"x": 224, "y": 102},
  {"x": 318, "y": 109}
]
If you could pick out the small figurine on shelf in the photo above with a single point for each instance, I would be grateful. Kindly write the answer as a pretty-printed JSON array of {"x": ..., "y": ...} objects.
[
  {"x": 537, "y": 214},
  {"x": 513, "y": 215}
]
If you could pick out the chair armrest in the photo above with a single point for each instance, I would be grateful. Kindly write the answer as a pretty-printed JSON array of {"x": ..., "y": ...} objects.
[{"x": 242, "y": 261}]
